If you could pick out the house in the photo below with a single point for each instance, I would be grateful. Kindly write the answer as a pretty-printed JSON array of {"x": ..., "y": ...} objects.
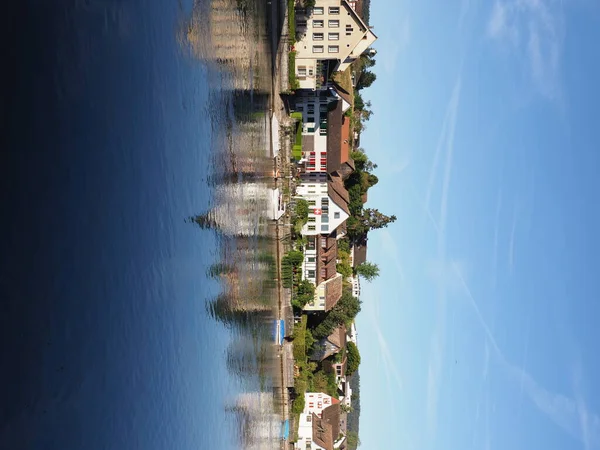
[
  {"x": 337, "y": 366},
  {"x": 327, "y": 295},
  {"x": 314, "y": 106},
  {"x": 352, "y": 334},
  {"x": 331, "y": 345},
  {"x": 358, "y": 253},
  {"x": 338, "y": 143},
  {"x": 332, "y": 36},
  {"x": 320, "y": 256},
  {"x": 328, "y": 204},
  {"x": 319, "y": 426},
  {"x": 355, "y": 283}
]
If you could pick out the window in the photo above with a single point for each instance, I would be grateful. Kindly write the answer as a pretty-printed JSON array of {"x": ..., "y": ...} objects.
[
  {"x": 311, "y": 228},
  {"x": 311, "y": 259},
  {"x": 318, "y": 23},
  {"x": 336, "y": 215},
  {"x": 311, "y": 119},
  {"x": 311, "y": 274},
  {"x": 311, "y": 220},
  {"x": 324, "y": 228},
  {"x": 300, "y": 23},
  {"x": 317, "y": 49},
  {"x": 334, "y": 10},
  {"x": 308, "y": 418},
  {"x": 317, "y": 37},
  {"x": 312, "y": 202},
  {"x": 323, "y": 242},
  {"x": 333, "y": 49},
  {"x": 333, "y": 36},
  {"x": 318, "y": 10},
  {"x": 333, "y": 23},
  {"x": 300, "y": 108},
  {"x": 311, "y": 129},
  {"x": 324, "y": 218},
  {"x": 302, "y": 71}
]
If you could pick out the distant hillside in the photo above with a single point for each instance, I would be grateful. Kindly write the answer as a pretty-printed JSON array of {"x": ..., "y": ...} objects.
[{"x": 354, "y": 416}]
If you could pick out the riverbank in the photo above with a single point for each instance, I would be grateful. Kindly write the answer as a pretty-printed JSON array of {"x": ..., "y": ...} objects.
[{"x": 280, "y": 146}]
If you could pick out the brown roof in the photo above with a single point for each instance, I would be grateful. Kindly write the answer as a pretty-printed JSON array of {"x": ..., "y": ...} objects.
[
  {"x": 360, "y": 254},
  {"x": 322, "y": 432},
  {"x": 334, "y": 137},
  {"x": 343, "y": 93},
  {"x": 338, "y": 193},
  {"x": 338, "y": 337},
  {"x": 326, "y": 429},
  {"x": 333, "y": 291},
  {"x": 345, "y": 141}
]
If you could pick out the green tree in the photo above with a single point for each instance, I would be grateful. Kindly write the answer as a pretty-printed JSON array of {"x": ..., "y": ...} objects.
[
  {"x": 344, "y": 269},
  {"x": 301, "y": 210},
  {"x": 366, "y": 79},
  {"x": 353, "y": 360},
  {"x": 352, "y": 439},
  {"x": 372, "y": 219},
  {"x": 369, "y": 271}
]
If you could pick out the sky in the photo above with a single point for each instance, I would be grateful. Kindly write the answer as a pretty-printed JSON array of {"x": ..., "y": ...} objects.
[{"x": 481, "y": 331}]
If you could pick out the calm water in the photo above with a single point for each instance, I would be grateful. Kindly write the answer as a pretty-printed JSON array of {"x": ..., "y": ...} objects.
[{"x": 120, "y": 318}]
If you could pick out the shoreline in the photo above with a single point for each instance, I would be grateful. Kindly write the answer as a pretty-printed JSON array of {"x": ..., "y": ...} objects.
[{"x": 278, "y": 117}]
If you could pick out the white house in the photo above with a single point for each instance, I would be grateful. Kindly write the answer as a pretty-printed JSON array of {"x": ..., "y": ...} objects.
[
  {"x": 327, "y": 294},
  {"x": 331, "y": 31},
  {"x": 355, "y": 283},
  {"x": 319, "y": 426},
  {"x": 328, "y": 204}
]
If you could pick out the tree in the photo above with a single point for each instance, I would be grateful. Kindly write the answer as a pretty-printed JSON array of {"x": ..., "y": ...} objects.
[
  {"x": 362, "y": 161},
  {"x": 353, "y": 360},
  {"x": 352, "y": 439},
  {"x": 301, "y": 210},
  {"x": 366, "y": 79},
  {"x": 369, "y": 271},
  {"x": 372, "y": 219},
  {"x": 345, "y": 408}
]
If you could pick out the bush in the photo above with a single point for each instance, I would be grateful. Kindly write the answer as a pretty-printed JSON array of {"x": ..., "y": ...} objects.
[
  {"x": 301, "y": 210},
  {"x": 299, "y": 402},
  {"x": 353, "y": 358}
]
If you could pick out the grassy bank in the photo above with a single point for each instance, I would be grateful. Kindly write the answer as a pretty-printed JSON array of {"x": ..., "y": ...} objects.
[{"x": 294, "y": 84}]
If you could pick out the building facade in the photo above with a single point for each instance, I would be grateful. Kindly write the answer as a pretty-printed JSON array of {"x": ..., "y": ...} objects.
[{"x": 330, "y": 32}]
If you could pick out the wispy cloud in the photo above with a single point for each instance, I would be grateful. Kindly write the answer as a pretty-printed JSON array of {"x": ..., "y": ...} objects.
[
  {"x": 401, "y": 40},
  {"x": 511, "y": 242},
  {"x": 496, "y": 237},
  {"x": 571, "y": 414},
  {"x": 446, "y": 141},
  {"x": 535, "y": 30}
]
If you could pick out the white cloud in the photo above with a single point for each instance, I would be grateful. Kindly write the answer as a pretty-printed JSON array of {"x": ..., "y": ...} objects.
[
  {"x": 534, "y": 30},
  {"x": 571, "y": 414},
  {"x": 401, "y": 39},
  {"x": 446, "y": 141}
]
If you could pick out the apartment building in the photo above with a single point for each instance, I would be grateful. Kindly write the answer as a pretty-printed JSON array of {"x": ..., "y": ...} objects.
[{"x": 332, "y": 36}]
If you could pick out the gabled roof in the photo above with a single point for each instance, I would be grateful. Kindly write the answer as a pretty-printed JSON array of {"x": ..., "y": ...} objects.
[
  {"x": 359, "y": 254},
  {"x": 327, "y": 428},
  {"x": 334, "y": 137},
  {"x": 343, "y": 94},
  {"x": 333, "y": 291},
  {"x": 357, "y": 17},
  {"x": 338, "y": 336},
  {"x": 338, "y": 193}
]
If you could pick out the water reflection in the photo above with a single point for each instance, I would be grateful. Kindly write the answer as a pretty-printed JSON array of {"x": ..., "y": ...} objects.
[{"x": 230, "y": 37}]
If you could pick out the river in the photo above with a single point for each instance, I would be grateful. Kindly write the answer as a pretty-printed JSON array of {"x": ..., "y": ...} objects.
[{"x": 124, "y": 324}]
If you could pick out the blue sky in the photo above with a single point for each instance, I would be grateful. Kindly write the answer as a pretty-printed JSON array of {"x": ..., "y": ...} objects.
[{"x": 481, "y": 332}]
